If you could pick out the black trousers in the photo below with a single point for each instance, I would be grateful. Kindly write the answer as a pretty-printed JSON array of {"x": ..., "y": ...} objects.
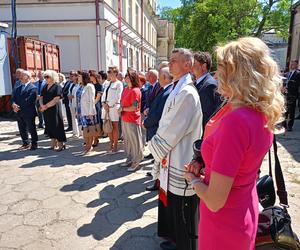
[
  {"x": 27, "y": 125},
  {"x": 69, "y": 115},
  {"x": 291, "y": 110},
  {"x": 171, "y": 223}
]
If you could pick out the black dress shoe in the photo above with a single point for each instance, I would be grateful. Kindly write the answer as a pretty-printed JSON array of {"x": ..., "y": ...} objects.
[
  {"x": 68, "y": 130},
  {"x": 153, "y": 187},
  {"x": 289, "y": 129},
  {"x": 298, "y": 117},
  {"x": 149, "y": 174},
  {"x": 24, "y": 146},
  {"x": 33, "y": 147},
  {"x": 168, "y": 245},
  {"x": 149, "y": 156}
]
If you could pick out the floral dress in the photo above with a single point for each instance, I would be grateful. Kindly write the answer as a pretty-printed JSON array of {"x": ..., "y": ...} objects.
[{"x": 83, "y": 120}]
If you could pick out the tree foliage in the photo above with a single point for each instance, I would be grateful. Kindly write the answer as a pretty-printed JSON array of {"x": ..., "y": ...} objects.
[{"x": 202, "y": 24}]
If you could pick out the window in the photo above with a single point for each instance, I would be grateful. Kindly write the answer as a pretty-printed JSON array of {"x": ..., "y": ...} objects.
[
  {"x": 137, "y": 61},
  {"x": 130, "y": 59},
  {"x": 114, "y": 4},
  {"x": 124, "y": 9},
  {"x": 130, "y": 11},
  {"x": 124, "y": 52},
  {"x": 145, "y": 65},
  {"x": 137, "y": 18},
  {"x": 144, "y": 27},
  {"x": 149, "y": 31},
  {"x": 115, "y": 47}
]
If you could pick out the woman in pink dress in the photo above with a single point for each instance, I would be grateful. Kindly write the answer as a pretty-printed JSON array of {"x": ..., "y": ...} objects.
[{"x": 235, "y": 142}]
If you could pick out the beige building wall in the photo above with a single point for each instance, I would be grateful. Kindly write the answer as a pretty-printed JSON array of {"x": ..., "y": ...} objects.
[
  {"x": 165, "y": 40},
  {"x": 295, "y": 45}
]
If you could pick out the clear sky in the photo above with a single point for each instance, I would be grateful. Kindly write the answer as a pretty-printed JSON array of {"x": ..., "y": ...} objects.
[{"x": 169, "y": 3}]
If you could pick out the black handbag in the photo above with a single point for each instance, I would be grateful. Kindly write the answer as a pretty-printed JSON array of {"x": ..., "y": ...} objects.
[
  {"x": 265, "y": 188},
  {"x": 274, "y": 223}
]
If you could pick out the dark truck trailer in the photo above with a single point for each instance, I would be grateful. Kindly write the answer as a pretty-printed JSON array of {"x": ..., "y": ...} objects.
[{"x": 32, "y": 55}]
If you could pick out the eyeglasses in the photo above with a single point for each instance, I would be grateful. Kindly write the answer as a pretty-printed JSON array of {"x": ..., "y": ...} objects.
[{"x": 46, "y": 77}]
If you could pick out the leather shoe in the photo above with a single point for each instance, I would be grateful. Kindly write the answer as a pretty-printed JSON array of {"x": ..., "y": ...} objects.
[
  {"x": 33, "y": 147},
  {"x": 168, "y": 245},
  {"x": 68, "y": 129},
  {"x": 289, "y": 129},
  {"x": 153, "y": 187},
  {"x": 298, "y": 117},
  {"x": 149, "y": 174},
  {"x": 24, "y": 146}
]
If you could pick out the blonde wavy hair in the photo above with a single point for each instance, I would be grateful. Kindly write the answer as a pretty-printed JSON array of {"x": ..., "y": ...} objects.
[
  {"x": 248, "y": 76},
  {"x": 52, "y": 74}
]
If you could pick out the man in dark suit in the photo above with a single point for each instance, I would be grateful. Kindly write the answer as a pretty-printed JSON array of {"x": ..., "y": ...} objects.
[
  {"x": 65, "y": 99},
  {"x": 206, "y": 85},
  {"x": 291, "y": 90},
  {"x": 152, "y": 90},
  {"x": 23, "y": 104},
  {"x": 151, "y": 122}
]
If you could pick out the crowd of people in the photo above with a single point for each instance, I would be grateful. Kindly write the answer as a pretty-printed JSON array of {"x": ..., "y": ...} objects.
[{"x": 234, "y": 113}]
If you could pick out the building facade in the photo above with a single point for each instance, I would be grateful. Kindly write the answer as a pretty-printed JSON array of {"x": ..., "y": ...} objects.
[
  {"x": 165, "y": 40},
  {"x": 91, "y": 34},
  {"x": 278, "y": 47},
  {"x": 293, "y": 52}
]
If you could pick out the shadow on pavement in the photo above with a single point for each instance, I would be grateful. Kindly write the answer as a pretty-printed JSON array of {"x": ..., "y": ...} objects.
[
  {"x": 135, "y": 238},
  {"x": 70, "y": 156},
  {"x": 291, "y": 141},
  {"x": 118, "y": 208}
]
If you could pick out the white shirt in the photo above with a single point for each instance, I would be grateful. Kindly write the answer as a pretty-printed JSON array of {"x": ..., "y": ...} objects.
[
  {"x": 201, "y": 78},
  {"x": 168, "y": 85}
]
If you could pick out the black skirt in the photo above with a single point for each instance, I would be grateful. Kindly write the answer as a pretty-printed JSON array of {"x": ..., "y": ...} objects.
[{"x": 171, "y": 222}]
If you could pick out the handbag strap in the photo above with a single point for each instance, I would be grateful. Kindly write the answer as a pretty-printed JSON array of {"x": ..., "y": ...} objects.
[
  {"x": 106, "y": 92},
  {"x": 281, "y": 190},
  {"x": 270, "y": 163}
]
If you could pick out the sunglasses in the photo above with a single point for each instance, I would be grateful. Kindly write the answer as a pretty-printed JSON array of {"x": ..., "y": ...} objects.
[{"x": 46, "y": 77}]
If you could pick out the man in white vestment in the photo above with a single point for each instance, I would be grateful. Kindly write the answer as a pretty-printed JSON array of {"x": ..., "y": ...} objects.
[{"x": 172, "y": 146}]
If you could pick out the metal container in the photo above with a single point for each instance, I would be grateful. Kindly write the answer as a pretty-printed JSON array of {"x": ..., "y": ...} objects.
[{"x": 32, "y": 55}]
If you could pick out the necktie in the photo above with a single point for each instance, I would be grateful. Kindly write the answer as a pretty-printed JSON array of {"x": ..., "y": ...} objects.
[
  {"x": 39, "y": 88},
  {"x": 22, "y": 88},
  {"x": 174, "y": 84}
]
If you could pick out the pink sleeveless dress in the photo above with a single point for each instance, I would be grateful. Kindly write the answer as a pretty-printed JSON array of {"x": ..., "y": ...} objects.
[{"x": 235, "y": 144}]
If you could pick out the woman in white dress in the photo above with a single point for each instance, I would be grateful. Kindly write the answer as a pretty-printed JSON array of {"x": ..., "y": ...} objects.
[{"x": 111, "y": 103}]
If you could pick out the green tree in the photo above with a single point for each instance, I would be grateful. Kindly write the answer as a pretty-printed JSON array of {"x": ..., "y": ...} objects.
[{"x": 203, "y": 24}]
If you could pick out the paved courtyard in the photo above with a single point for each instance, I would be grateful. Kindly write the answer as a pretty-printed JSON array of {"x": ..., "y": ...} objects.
[{"x": 61, "y": 200}]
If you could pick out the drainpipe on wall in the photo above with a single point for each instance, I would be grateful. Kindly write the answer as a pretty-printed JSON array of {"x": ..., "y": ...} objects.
[
  {"x": 289, "y": 48},
  {"x": 98, "y": 35},
  {"x": 142, "y": 29},
  {"x": 120, "y": 35}
]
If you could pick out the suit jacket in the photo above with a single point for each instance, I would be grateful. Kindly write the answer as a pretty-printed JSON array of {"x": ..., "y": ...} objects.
[
  {"x": 26, "y": 100},
  {"x": 39, "y": 88},
  {"x": 65, "y": 92},
  {"x": 209, "y": 99},
  {"x": 293, "y": 84},
  {"x": 151, "y": 122},
  {"x": 151, "y": 94}
]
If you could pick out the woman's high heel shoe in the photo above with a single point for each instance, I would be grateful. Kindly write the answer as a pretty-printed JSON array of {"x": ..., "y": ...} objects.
[{"x": 61, "y": 148}]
